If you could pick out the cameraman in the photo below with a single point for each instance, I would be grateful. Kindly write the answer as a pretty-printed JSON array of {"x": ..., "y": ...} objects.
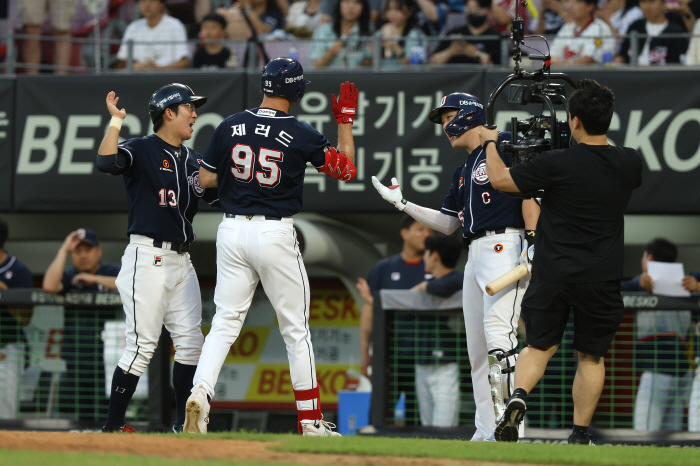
[{"x": 579, "y": 248}]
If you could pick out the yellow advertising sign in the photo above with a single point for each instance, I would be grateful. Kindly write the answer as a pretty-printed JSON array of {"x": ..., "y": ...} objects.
[
  {"x": 272, "y": 382},
  {"x": 248, "y": 346},
  {"x": 333, "y": 308}
]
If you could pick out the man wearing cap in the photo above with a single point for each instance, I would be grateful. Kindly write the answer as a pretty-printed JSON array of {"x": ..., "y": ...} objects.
[{"x": 81, "y": 390}]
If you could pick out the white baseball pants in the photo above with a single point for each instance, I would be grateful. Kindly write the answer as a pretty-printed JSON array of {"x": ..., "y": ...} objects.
[
  {"x": 437, "y": 387},
  {"x": 490, "y": 321},
  {"x": 251, "y": 251},
  {"x": 659, "y": 401},
  {"x": 158, "y": 287}
]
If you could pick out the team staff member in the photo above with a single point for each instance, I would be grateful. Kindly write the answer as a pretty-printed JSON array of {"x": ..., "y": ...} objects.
[
  {"x": 398, "y": 272},
  {"x": 157, "y": 282},
  {"x": 579, "y": 251},
  {"x": 258, "y": 158},
  {"x": 493, "y": 229},
  {"x": 82, "y": 385}
]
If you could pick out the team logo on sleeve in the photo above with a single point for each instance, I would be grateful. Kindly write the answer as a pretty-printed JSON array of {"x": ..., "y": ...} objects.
[
  {"x": 158, "y": 261},
  {"x": 193, "y": 180},
  {"x": 8, "y": 275},
  {"x": 479, "y": 174},
  {"x": 395, "y": 276}
]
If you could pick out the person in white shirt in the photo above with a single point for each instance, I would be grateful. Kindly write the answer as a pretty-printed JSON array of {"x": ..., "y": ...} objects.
[
  {"x": 692, "y": 57},
  {"x": 585, "y": 40},
  {"x": 160, "y": 41}
]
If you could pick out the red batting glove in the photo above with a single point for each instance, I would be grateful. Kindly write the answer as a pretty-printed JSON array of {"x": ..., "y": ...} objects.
[{"x": 345, "y": 106}]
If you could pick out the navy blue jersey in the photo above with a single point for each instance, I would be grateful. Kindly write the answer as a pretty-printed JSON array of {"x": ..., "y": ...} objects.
[
  {"x": 475, "y": 202},
  {"x": 445, "y": 286},
  {"x": 106, "y": 269},
  {"x": 394, "y": 273},
  {"x": 162, "y": 186},
  {"x": 15, "y": 274},
  {"x": 260, "y": 156}
]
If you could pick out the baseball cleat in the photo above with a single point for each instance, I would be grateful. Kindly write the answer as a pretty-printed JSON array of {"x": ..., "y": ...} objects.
[
  {"x": 177, "y": 428},
  {"x": 123, "y": 429},
  {"x": 319, "y": 428},
  {"x": 197, "y": 416},
  {"x": 580, "y": 439},
  {"x": 507, "y": 424}
]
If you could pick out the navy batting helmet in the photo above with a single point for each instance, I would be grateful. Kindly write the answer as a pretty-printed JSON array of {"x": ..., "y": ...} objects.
[
  {"x": 470, "y": 113},
  {"x": 283, "y": 77},
  {"x": 172, "y": 94}
]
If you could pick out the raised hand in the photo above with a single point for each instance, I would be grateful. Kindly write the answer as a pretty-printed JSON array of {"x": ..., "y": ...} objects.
[
  {"x": 392, "y": 193},
  {"x": 345, "y": 105},
  {"x": 112, "y": 101}
]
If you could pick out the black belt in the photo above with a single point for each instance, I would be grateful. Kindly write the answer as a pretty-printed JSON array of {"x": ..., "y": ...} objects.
[
  {"x": 482, "y": 233},
  {"x": 180, "y": 248},
  {"x": 249, "y": 216}
]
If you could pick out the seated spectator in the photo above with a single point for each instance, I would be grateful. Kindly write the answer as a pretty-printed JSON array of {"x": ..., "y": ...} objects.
[
  {"x": 437, "y": 371},
  {"x": 13, "y": 274},
  {"x": 684, "y": 12},
  {"x": 654, "y": 48},
  {"x": 432, "y": 15},
  {"x": 304, "y": 17},
  {"x": 338, "y": 44},
  {"x": 693, "y": 55},
  {"x": 252, "y": 17},
  {"x": 403, "y": 42},
  {"x": 503, "y": 13},
  {"x": 659, "y": 352},
  {"x": 61, "y": 13},
  {"x": 81, "y": 389},
  {"x": 328, "y": 9},
  {"x": 160, "y": 41},
  {"x": 552, "y": 17},
  {"x": 585, "y": 40},
  {"x": 471, "y": 49},
  {"x": 620, "y": 14},
  {"x": 213, "y": 54}
]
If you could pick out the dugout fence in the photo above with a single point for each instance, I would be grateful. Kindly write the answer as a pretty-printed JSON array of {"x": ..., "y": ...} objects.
[{"x": 652, "y": 387}]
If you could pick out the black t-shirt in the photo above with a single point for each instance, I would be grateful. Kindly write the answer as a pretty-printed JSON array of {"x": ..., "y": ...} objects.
[
  {"x": 662, "y": 49},
  {"x": 202, "y": 59},
  {"x": 106, "y": 269},
  {"x": 580, "y": 232},
  {"x": 492, "y": 47}
]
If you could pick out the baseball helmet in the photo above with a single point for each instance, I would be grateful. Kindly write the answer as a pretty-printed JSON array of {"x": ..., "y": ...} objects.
[
  {"x": 283, "y": 77},
  {"x": 172, "y": 94},
  {"x": 470, "y": 113}
]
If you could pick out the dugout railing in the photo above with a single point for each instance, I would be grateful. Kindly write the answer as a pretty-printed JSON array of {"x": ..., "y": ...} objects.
[
  {"x": 645, "y": 360},
  {"x": 57, "y": 356}
]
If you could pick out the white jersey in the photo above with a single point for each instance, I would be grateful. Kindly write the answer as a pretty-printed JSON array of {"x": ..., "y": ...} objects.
[
  {"x": 593, "y": 40},
  {"x": 163, "y": 44}
]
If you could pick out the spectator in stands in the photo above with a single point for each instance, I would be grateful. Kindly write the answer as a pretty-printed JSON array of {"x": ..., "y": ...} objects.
[
  {"x": 552, "y": 17},
  {"x": 253, "y": 17},
  {"x": 159, "y": 40},
  {"x": 432, "y": 15},
  {"x": 692, "y": 57},
  {"x": 403, "y": 42},
  {"x": 660, "y": 350},
  {"x": 655, "y": 48},
  {"x": 61, "y": 13},
  {"x": 329, "y": 7},
  {"x": 341, "y": 44},
  {"x": 13, "y": 274},
  {"x": 473, "y": 48},
  {"x": 437, "y": 371},
  {"x": 81, "y": 389},
  {"x": 213, "y": 54},
  {"x": 684, "y": 12},
  {"x": 399, "y": 272},
  {"x": 503, "y": 12},
  {"x": 620, "y": 14},
  {"x": 304, "y": 17},
  {"x": 585, "y": 40}
]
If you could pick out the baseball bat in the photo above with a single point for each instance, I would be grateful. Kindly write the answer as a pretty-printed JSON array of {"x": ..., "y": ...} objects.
[{"x": 506, "y": 279}]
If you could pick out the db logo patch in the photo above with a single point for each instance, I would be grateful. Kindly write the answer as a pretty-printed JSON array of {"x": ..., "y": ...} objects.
[
  {"x": 479, "y": 174},
  {"x": 158, "y": 260},
  {"x": 498, "y": 247},
  {"x": 396, "y": 276}
]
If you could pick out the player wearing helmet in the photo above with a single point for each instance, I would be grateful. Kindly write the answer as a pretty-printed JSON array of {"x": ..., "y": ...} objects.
[
  {"x": 493, "y": 230},
  {"x": 257, "y": 158},
  {"x": 157, "y": 283}
]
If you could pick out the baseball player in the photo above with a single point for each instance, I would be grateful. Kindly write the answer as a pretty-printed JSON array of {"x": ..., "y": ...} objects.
[
  {"x": 493, "y": 230},
  {"x": 258, "y": 158},
  {"x": 157, "y": 282}
]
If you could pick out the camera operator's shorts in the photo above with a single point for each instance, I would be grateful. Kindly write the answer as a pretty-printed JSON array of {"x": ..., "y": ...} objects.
[{"x": 597, "y": 310}]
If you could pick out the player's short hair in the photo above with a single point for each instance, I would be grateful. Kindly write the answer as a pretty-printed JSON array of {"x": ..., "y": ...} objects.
[
  {"x": 447, "y": 248},
  {"x": 216, "y": 17},
  {"x": 159, "y": 121},
  {"x": 4, "y": 231},
  {"x": 662, "y": 249},
  {"x": 407, "y": 222},
  {"x": 593, "y": 104}
]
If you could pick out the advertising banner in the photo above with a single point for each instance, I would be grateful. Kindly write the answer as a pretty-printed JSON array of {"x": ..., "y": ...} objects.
[{"x": 7, "y": 107}]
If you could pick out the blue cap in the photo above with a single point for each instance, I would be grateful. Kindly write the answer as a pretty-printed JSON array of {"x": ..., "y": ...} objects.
[{"x": 88, "y": 236}]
